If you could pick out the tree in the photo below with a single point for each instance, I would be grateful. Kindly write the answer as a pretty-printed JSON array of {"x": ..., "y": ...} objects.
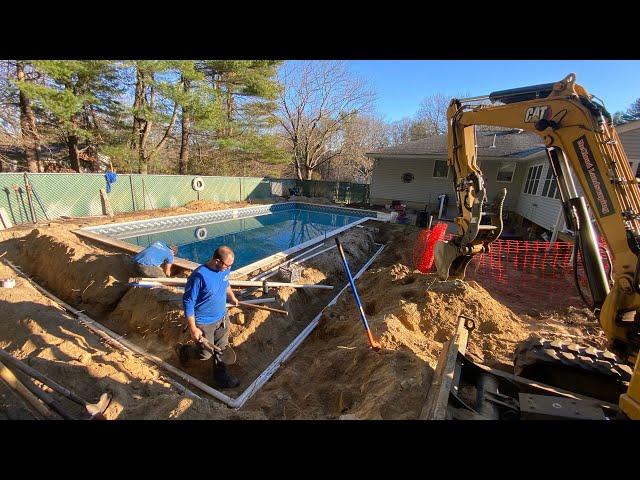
[
  {"x": 243, "y": 120},
  {"x": 632, "y": 113},
  {"x": 362, "y": 134},
  {"x": 28, "y": 128},
  {"x": 316, "y": 103},
  {"x": 154, "y": 103},
  {"x": 70, "y": 97},
  {"x": 432, "y": 114}
]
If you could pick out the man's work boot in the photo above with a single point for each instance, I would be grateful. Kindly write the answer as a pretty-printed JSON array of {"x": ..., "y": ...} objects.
[{"x": 222, "y": 377}]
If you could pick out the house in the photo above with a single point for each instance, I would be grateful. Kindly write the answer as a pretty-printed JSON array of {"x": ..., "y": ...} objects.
[{"x": 416, "y": 173}]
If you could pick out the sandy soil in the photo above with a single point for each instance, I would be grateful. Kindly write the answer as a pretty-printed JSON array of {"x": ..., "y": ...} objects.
[{"x": 333, "y": 375}]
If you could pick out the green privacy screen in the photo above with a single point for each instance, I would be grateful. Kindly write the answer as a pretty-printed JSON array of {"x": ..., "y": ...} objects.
[{"x": 78, "y": 194}]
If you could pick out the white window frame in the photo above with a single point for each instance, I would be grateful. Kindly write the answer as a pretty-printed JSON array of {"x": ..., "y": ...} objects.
[
  {"x": 550, "y": 181},
  {"x": 529, "y": 176},
  {"x": 513, "y": 173},
  {"x": 433, "y": 172}
]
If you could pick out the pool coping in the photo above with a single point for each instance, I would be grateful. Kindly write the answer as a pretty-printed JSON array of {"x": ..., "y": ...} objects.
[{"x": 243, "y": 212}]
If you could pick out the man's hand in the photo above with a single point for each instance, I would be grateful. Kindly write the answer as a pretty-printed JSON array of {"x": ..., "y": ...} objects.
[
  {"x": 195, "y": 332},
  {"x": 232, "y": 297}
]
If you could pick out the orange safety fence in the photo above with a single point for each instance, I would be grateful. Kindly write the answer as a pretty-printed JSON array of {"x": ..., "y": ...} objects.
[{"x": 531, "y": 272}]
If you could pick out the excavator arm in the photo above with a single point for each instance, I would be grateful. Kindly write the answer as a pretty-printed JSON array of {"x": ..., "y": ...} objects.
[{"x": 580, "y": 141}]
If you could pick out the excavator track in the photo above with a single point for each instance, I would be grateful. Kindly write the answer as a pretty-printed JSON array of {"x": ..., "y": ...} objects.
[{"x": 585, "y": 370}]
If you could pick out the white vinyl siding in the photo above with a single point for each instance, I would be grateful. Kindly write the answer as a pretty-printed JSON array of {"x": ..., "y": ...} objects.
[
  {"x": 631, "y": 143},
  {"x": 387, "y": 184},
  {"x": 493, "y": 186}
]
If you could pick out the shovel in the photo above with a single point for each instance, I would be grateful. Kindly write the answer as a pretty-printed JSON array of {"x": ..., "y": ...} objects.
[
  {"x": 95, "y": 410},
  {"x": 228, "y": 355}
]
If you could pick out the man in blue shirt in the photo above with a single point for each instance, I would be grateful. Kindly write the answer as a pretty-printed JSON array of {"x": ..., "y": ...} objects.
[
  {"x": 205, "y": 307},
  {"x": 155, "y": 260}
]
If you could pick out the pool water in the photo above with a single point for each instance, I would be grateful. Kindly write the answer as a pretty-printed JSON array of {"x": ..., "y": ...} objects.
[{"x": 251, "y": 238}]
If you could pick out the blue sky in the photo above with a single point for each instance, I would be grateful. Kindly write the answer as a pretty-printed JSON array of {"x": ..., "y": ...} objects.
[{"x": 402, "y": 84}]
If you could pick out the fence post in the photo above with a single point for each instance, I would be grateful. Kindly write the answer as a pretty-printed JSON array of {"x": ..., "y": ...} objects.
[
  {"x": 133, "y": 197},
  {"x": 240, "y": 179}
]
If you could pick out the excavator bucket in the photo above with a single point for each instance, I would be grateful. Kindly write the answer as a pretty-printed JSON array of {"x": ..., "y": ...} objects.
[
  {"x": 450, "y": 263},
  {"x": 452, "y": 257}
]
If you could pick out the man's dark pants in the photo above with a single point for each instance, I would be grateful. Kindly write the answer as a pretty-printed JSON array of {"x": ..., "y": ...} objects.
[
  {"x": 150, "y": 271},
  {"x": 218, "y": 332}
]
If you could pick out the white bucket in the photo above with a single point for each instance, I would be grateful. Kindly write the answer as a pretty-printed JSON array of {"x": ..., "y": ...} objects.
[{"x": 8, "y": 282}]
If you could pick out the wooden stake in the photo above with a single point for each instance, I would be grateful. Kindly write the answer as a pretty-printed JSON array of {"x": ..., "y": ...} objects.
[{"x": 106, "y": 205}]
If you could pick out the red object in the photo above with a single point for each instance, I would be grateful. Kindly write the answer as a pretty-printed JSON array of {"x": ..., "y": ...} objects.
[{"x": 423, "y": 253}]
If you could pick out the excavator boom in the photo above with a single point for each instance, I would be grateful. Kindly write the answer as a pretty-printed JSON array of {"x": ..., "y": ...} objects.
[{"x": 581, "y": 142}]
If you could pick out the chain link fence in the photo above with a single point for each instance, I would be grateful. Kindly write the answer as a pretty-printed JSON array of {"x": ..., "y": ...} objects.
[{"x": 78, "y": 194}]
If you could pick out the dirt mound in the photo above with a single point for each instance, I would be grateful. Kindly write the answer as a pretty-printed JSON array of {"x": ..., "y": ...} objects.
[
  {"x": 317, "y": 200},
  {"x": 411, "y": 315},
  {"x": 35, "y": 331},
  {"x": 205, "y": 205},
  {"x": 85, "y": 276}
]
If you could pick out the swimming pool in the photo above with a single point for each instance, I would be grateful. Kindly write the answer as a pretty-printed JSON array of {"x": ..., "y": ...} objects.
[{"x": 254, "y": 233}]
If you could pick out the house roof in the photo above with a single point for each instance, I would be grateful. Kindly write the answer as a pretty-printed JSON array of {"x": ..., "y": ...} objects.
[
  {"x": 512, "y": 143},
  {"x": 625, "y": 127}
]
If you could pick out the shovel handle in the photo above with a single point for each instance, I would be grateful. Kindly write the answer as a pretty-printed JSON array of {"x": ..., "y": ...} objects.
[{"x": 260, "y": 307}]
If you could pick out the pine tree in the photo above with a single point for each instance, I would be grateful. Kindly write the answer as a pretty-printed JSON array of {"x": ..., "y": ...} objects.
[
  {"x": 245, "y": 93},
  {"x": 73, "y": 95}
]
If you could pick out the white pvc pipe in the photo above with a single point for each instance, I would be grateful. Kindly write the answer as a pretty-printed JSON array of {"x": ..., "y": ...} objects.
[
  {"x": 275, "y": 268},
  {"x": 271, "y": 274}
]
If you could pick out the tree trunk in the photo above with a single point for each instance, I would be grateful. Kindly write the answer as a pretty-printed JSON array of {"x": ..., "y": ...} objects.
[
  {"x": 139, "y": 102},
  {"x": 28, "y": 125},
  {"x": 72, "y": 144},
  {"x": 185, "y": 129}
]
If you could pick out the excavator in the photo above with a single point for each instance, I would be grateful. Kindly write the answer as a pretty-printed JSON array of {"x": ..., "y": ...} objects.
[{"x": 551, "y": 379}]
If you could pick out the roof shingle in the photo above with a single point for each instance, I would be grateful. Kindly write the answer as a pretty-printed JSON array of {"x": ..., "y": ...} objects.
[{"x": 505, "y": 144}]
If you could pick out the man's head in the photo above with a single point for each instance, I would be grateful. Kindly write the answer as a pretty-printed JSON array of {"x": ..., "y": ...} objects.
[{"x": 223, "y": 258}]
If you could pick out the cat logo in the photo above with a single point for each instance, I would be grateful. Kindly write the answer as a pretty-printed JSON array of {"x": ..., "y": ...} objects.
[{"x": 533, "y": 114}]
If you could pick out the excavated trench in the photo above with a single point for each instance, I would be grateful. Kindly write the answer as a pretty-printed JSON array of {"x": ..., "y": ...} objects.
[{"x": 95, "y": 280}]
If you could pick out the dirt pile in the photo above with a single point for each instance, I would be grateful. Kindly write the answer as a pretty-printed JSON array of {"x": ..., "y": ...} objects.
[
  {"x": 411, "y": 315},
  {"x": 35, "y": 331},
  {"x": 83, "y": 275},
  {"x": 317, "y": 200}
]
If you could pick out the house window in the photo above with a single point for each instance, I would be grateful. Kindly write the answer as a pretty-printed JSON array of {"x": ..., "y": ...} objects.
[
  {"x": 441, "y": 169},
  {"x": 505, "y": 172},
  {"x": 533, "y": 179},
  {"x": 550, "y": 187}
]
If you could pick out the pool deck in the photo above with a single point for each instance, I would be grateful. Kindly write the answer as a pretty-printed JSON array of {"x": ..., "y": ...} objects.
[{"x": 106, "y": 234}]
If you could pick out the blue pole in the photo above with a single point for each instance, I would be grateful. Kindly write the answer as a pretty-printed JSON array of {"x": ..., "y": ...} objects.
[{"x": 372, "y": 342}]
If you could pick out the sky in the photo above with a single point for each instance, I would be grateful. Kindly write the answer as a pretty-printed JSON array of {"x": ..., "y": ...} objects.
[{"x": 402, "y": 84}]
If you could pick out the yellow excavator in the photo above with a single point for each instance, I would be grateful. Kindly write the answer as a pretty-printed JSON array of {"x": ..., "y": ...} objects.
[{"x": 551, "y": 379}]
